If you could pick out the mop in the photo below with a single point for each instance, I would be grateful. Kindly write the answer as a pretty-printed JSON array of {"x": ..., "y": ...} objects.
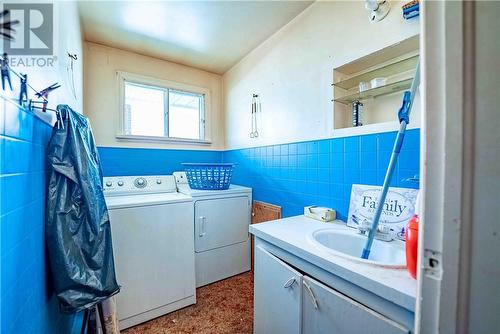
[{"x": 404, "y": 119}]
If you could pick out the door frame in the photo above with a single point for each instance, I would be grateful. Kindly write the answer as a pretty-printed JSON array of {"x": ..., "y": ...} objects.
[{"x": 452, "y": 229}]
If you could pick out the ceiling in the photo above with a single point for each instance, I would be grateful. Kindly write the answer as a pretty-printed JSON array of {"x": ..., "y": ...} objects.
[{"x": 210, "y": 35}]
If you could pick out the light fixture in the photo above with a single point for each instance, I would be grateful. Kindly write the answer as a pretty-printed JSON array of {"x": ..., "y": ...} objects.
[{"x": 378, "y": 9}]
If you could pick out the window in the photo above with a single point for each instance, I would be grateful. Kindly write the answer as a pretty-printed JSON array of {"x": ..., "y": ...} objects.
[{"x": 162, "y": 110}]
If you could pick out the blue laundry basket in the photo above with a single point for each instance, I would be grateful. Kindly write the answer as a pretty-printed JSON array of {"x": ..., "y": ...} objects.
[{"x": 209, "y": 176}]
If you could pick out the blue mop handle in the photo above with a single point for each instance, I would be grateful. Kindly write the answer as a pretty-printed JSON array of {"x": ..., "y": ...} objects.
[{"x": 404, "y": 119}]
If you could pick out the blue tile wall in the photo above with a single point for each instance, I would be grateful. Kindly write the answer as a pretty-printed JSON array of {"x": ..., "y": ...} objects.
[
  {"x": 140, "y": 161},
  {"x": 322, "y": 172},
  {"x": 27, "y": 302},
  {"x": 291, "y": 175}
]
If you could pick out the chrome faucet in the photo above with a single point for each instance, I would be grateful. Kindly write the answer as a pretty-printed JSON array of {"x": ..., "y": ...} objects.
[{"x": 383, "y": 230}]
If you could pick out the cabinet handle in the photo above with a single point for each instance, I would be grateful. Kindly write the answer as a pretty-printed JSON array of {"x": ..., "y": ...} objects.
[
  {"x": 311, "y": 294},
  {"x": 202, "y": 220},
  {"x": 289, "y": 283}
]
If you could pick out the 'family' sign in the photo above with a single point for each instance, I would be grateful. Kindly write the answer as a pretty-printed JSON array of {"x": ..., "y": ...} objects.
[{"x": 398, "y": 208}]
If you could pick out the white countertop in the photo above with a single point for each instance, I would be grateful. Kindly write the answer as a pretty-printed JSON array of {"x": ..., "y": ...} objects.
[{"x": 291, "y": 234}]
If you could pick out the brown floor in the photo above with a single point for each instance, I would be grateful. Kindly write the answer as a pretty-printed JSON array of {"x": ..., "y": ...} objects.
[{"x": 224, "y": 307}]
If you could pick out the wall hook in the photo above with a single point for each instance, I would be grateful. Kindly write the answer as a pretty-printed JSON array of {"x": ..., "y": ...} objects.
[
  {"x": 70, "y": 73},
  {"x": 255, "y": 108}
]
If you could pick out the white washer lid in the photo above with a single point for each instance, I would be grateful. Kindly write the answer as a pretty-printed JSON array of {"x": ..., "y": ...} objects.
[{"x": 128, "y": 201}]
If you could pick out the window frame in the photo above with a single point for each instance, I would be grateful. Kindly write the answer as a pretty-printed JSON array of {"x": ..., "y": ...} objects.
[{"x": 140, "y": 80}]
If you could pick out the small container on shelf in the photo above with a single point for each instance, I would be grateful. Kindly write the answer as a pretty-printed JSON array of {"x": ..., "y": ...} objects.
[
  {"x": 364, "y": 86},
  {"x": 378, "y": 82}
]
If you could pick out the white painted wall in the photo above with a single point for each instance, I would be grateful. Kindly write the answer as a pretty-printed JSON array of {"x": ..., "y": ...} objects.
[
  {"x": 70, "y": 40},
  {"x": 292, "y": 71},
  {"x": 102, "y": 93}
]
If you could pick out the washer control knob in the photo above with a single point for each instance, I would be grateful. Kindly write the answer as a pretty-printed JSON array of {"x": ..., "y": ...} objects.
[
  {"x": 158, "y": 181},
  {"x": 109, "y": 183},
  {"x": 120, "y": 183},
  {"x": 140, "y": 182}
]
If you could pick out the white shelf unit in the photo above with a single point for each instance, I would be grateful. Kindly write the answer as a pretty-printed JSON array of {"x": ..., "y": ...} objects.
[{"x": 396, "y": 63}]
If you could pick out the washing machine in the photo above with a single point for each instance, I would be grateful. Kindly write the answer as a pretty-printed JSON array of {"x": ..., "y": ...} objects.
[
  {"x": 221, "y": 238},
  {"x": 152, "y": 231}
]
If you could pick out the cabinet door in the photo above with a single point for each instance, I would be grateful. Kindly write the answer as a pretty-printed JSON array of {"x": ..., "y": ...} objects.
[
  {"x": 325, "y": 310},
  {"x": 277, "y": 295},
  {"x": 221, "y": 222}
]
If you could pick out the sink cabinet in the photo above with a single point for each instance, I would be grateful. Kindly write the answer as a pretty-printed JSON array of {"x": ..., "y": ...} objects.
[
  {"x": 277, "y": 295},
  {"x": 289, "y": 301},
  {"x": 325, "y": 310}
]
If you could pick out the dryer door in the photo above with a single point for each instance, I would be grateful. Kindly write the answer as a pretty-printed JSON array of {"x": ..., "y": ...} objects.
[{"x": 221, "y": 222}]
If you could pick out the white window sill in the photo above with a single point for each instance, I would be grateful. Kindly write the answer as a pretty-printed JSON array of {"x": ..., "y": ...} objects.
[{"x": 157, "y": 139}]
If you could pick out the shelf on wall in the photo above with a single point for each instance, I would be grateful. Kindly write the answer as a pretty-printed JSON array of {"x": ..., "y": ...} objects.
[
  {"x": 375, "y": 92},
  {"x": 396, "y": 63},
  {"x": 388, "y": 70}
]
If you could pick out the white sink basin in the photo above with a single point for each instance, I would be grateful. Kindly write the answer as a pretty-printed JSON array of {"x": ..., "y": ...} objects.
[{"x": 349, "y": 244}]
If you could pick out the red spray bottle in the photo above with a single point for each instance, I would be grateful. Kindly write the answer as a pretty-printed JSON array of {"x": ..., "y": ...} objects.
[{"x": 411, "y": 237}]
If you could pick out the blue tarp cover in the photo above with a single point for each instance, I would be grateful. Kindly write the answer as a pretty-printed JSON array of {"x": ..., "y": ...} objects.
[{"x": 78, "y": 233}]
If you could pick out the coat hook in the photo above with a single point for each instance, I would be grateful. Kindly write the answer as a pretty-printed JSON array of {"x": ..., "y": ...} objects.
[{"x": 74, "y": 57}]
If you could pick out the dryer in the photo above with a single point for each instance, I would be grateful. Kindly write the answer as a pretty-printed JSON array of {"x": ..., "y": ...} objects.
[
  {"x": 221, "y": 238},
  {"x": 152, "y": 231}
]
